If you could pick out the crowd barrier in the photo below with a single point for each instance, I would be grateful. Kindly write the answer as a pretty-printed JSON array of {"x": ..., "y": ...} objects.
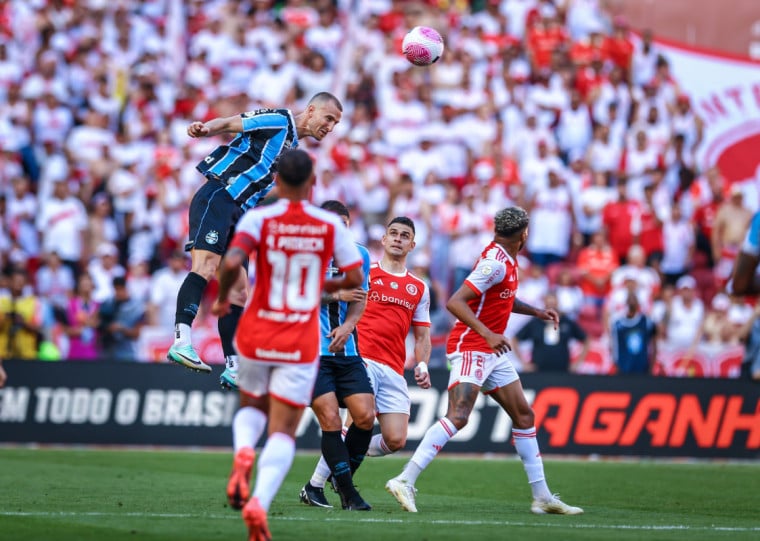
[{"x": 106, "y": 403}]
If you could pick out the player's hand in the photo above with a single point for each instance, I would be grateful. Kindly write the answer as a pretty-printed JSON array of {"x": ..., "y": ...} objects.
[
  {"x": 498, "y": 343},
  {"x": 352, "y": 295},
  {"x": 220, "y": 308},
  {"x": 197, "y": 129},
  {"x": 339, "y": 337},
  {"x": 422, "y": 376},
  {"x": 549, "y": 314}
]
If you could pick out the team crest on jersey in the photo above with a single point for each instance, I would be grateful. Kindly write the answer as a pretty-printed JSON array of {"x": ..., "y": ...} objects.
[
  {"x": 212, "y": 237},
  {"x": 394, "y": 285},
  {"x": 411, "y": 289},
  {"x": 486, "y": 270}
]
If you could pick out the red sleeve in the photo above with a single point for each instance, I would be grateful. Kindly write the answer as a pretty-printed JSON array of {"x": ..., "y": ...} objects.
[{"x": 244, "y": 241}]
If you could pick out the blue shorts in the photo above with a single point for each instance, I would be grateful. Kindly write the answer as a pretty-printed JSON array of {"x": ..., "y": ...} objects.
[
  {"x": 343, "y": 376},
  {"x": 213, "y": 216}
]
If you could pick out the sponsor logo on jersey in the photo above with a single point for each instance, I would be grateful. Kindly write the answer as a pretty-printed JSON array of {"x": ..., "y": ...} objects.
[
  {"x": 279, "y": 355},
  {"x": 212, "y": 237},
  {"x": 411, "y": 289},
  {"x": 507, "y": 293},
  {"x": 374, "y": 296}
]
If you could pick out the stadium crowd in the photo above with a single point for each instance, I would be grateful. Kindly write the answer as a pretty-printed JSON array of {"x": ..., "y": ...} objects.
[{"x": 553, "y": 105}]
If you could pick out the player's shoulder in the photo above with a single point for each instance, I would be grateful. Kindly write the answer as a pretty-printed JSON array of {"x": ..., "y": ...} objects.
[
  {"x": 264, "y": 111},
  {"x": 413, "y": 278}
]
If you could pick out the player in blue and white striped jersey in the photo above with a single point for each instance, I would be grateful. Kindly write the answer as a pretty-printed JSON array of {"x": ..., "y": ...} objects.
[{"x": 239, "y": 174}]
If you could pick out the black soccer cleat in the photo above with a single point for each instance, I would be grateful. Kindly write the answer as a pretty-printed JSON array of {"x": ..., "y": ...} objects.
[
  {"x": 314, "y": 496},
  {"x": 354, "y": 503}
]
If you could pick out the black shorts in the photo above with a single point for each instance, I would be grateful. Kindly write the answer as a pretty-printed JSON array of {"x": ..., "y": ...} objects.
[
  {"x": 213, "y": 216},
  {"x": 343, "y": 376}
]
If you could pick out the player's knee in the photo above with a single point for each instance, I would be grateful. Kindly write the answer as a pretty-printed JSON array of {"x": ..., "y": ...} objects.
[
  {"x": 524, "y": 419},
  {"x": 329, "y": 421},
  {"x": 206, "y": 268},
  {"x": 459, "y": 419},
  {"x": 395, "y": 442},
  {"x": 363, "y": 419}
]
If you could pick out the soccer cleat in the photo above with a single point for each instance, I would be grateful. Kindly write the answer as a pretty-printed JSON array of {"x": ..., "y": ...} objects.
[
  {"x": 314, "y": 496},
  {"x": 186, "y": 356},
  {"x": 228, "y": 380},
  {"x": 353, "y": 503},
  {"x": 554, "y": 506},
  {"x": 238, "y": 487},
  {"x": 256, "y": 519},
  {"x": 403, "y": 492}
]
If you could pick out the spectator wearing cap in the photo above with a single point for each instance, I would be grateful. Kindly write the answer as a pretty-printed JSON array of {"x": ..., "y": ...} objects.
[
  {"x": 103, "y": 268},
  {"x": 683, "y": 317},
  {"x": 121, "y": 318},
  {"x": 62, "y": 223},
  {"x": 731, "y": 224},
  {"x": 633, "y": 339}
]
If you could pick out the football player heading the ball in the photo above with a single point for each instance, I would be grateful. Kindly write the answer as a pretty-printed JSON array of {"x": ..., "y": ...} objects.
[
  {"x": 239, "y": 174},
  {"x": 422, "y": 46}
]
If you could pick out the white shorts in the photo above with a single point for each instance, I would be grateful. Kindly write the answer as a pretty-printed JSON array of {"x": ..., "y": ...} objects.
[
  {"x": 391, "y": 391},
  {"x": 288, "y": 382},
  {"x": 486, "y": 370}
]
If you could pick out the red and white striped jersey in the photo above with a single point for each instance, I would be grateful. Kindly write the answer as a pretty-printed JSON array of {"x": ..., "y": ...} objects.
[
  {"x": 494, "y": 279},
  {"x": 395, "y": 302},
  {"x": 293, "y": 243}
]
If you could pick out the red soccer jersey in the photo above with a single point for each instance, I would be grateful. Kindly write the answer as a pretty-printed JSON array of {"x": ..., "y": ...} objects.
[
  {"x": 494, "y": 279},
  {"x": 293, "y": 244},
  {"x": 395, "y": 302}
]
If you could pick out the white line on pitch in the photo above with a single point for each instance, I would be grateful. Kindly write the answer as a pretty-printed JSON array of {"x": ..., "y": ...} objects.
[{"x": 277, "y": 518}]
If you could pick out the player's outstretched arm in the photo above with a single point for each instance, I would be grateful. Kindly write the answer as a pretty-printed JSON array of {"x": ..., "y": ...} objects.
[
  {"x": 231, "y": 124},
  {"x": 541, "y": 313}
]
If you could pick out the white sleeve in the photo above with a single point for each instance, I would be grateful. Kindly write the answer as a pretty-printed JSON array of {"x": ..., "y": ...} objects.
[
  {"x": 486, "y": 274},
  {"x": 345, "y": 251},
  {"x": 421, "y": 314}
]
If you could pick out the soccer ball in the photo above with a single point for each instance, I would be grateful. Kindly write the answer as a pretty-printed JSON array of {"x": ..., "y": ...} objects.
[{"x": 422, "y": 46}]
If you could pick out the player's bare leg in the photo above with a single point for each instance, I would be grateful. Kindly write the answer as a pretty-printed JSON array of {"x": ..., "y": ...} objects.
[
  {"x": 204, "y": 267},
  {"x": 247, "y": 427},
  {"x": 462, "y": 398},
  {"x": 512, "y": 399}
]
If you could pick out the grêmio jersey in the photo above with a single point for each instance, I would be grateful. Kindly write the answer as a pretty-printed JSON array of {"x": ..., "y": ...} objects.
[
  {"x": 751, "y": 244},
  {"x": 332, "y": 315},
  {"x": 395, "y": 303},
  {"x": 293, "y": 243},
  {"x": 247, "y": 164},
  {"x": 494, "y": 280}
]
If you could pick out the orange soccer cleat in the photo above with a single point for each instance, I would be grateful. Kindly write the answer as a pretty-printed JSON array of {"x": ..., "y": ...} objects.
[{"x": 238, "y": 487}]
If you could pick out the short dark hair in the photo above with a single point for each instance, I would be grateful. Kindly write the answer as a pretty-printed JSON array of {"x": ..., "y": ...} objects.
[
  {"x": 323, "y": 97},
  {"x": 119, "y": 281},
  {"x": 333, "y": 205},
  {"x": 295, "y": 167},
  {"x": 403, "y": 220},
  {"x": 510, "y": 220}
]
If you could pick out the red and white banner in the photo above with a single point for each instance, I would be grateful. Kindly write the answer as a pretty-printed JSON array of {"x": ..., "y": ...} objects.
[{"x": 724, "y": 91}]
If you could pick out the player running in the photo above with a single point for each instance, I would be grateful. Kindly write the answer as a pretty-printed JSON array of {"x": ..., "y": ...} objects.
[
  {"x": 397, "y": 301},
  {"x": 278, "y": 336},
  {"x": 239, "y": 174},
  {"x": 476, "y": 350},
  {"x": 342, "y": 381}
]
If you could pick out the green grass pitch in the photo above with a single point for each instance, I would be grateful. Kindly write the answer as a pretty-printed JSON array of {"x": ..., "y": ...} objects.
[{"x": 51, "y": 494}]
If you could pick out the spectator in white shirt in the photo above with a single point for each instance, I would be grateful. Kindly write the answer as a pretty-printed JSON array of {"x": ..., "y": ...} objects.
[
  {"x": 62, "y": 223},
  {"x": 165, "y": 284},
  {"x": 103, "y": 269}
]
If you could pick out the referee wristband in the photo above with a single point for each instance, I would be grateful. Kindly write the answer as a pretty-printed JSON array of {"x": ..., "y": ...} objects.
[{"x": 423, "y": 368}]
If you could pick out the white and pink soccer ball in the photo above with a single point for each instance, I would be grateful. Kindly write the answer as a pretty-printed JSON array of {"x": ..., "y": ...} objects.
[{"x": 422, "y": 46}]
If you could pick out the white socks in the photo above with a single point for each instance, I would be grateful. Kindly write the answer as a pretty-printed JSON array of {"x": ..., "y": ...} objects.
[
  {"x": 321, "y": 473},
  {"x": 527, "y": 448},
  {"x": 435, "y": 438},
  {"x": 272, "y": 466},
  {"x": 247, "y": 427},
  {"x": 377, "y": 446},
  {"x": 182, "y": 334}
]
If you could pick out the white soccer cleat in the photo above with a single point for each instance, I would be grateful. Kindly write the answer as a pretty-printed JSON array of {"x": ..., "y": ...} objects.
[
  {"x": 403, "y": 492},
  {"x": 554, "y": 506}
]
